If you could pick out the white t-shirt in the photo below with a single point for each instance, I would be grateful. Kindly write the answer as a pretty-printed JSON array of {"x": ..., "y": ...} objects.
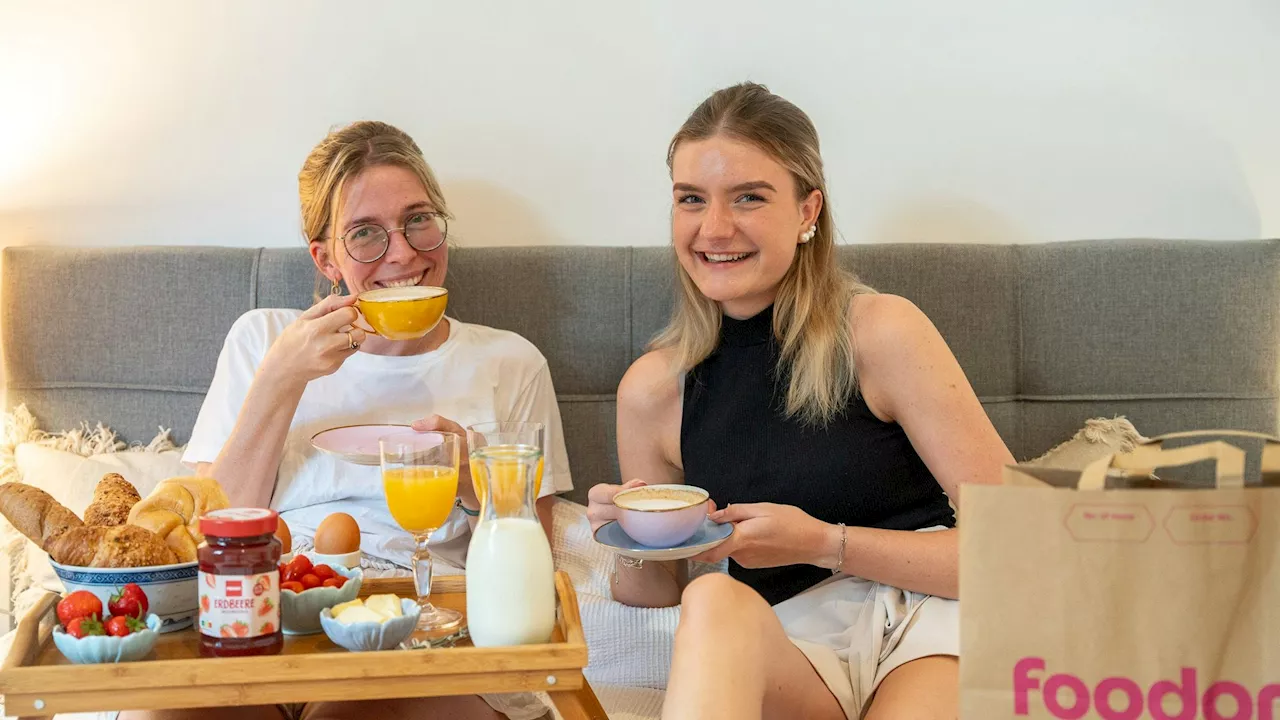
[{"x": 479, "y": 374}]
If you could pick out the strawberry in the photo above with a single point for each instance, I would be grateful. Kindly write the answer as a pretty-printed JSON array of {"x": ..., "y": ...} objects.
[
  {"x": 309, "y": 581},
  {"x": 84, "y": 626},
  {"x": 240, "y": 628},
  {"x": 332, "y": 582},
  {"x": 225, "y": 631},
  {"x": 80, "y": 603},
  {"x": 266, "y": 607},
  {"x": 122, "y": 625},
  {"x": 324, "y": 572},
  {"x": 267, "y": 629},
  {"x": 129, "y": 601},
  {"x": 204, "y": 603}
]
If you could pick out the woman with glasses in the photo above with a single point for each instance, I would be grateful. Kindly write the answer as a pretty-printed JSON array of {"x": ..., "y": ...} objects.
[{"x": 374, "y": 217}]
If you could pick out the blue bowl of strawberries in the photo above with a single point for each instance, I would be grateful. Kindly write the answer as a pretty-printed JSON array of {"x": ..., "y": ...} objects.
[
  {"x": 307, "y": 588},
  {"x": 126, "y": 632}
]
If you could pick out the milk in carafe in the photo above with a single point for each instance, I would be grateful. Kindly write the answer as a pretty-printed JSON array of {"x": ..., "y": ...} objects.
[{"x": 511, "y": 595}]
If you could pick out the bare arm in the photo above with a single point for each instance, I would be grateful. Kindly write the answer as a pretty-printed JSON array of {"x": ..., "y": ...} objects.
[
  {"x": 247, "y": 465},
  {"x": 313, "y": 346},
  {"x": 908, "y": 375},
  {"x": 648, "y": 443}
]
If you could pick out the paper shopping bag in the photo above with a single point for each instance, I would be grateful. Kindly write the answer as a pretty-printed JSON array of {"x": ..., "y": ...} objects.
[{"x": 1105, "y": 593}]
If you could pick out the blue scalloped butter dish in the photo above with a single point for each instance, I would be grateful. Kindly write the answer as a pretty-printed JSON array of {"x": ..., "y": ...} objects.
[
  {"x": 108, "y": 648},
  {"x": 362, "y": 636}
]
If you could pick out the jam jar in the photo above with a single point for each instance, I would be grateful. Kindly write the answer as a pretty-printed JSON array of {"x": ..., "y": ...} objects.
[{"x": 239, "y": 583}]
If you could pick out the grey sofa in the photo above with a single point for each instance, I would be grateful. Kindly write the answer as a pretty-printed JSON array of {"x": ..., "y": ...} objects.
[{"x": 1173, "y": 334}]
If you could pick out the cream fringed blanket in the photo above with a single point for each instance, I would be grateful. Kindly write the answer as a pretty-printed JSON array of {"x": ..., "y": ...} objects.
[{"x": 20, "y": 426}]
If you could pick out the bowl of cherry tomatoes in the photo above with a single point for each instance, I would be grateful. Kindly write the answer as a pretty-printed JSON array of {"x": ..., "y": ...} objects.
[
  {"x": 307, "y": 588},
  {"x": 86, "y": 634}
]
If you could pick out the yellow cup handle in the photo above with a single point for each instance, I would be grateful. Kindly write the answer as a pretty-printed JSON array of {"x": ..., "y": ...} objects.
[{"x": 359, "y": 317}]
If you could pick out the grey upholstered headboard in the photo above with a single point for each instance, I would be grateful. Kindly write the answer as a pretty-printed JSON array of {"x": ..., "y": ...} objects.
[{"x": 1174, "y": 334}]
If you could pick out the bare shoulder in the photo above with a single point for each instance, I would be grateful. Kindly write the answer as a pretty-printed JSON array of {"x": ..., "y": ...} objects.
[
  {"x": 884, "y": 327},
  {"x": 649, "y": 408},
  {"x": 895, "y": 348},
  {"x": 650, "y": 386}
]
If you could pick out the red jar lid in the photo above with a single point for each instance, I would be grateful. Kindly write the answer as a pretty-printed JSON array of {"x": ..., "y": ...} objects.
[{"x": 239, "y": 522}]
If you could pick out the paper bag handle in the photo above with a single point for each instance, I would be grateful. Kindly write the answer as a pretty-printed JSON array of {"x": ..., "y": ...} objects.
[
  {"x": 1211, "y": 433},
  {"x": 1270, "y": 446},
  {"x": 1228, "y": 466}
]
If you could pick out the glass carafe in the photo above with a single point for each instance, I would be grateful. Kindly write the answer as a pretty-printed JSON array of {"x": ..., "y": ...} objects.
[{"x": 511, "y": 596}]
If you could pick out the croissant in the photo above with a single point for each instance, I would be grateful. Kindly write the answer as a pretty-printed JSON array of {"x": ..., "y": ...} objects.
[
  {"x": 113, "y": 498},
  {"x": 172, "y": 511},
  {"x": 34, "y": 513},
  {"x": 119, "y": 546}
]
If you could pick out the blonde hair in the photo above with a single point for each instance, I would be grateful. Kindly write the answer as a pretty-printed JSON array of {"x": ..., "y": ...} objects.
[
  {"x": 342, "y": 155},
  {"x": 811, "y": 310}
]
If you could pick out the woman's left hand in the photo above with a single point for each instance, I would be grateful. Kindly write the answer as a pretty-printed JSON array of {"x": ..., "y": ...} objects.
[
  {"x": 770, "y": 535},
  {"x": 438, "y": 423}
]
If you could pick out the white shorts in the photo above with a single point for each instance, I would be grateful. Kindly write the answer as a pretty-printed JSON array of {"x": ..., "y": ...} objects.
[{"x": 855, "y": 632}]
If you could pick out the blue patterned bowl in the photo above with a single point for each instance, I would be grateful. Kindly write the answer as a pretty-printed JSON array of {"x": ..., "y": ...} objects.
[
  {"x": 108, "y": 648},
  {"x": 171, "y": 589},
  {"x": 373, "y": 635}
]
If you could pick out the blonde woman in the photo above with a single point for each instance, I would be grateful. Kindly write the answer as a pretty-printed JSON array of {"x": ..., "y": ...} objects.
[
  {"x": 374, "y": 216},
  {"x": 829, "y": 423}
]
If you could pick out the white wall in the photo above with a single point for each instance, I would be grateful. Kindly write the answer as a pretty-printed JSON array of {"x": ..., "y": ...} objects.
[{"x": 987, "y": 120}]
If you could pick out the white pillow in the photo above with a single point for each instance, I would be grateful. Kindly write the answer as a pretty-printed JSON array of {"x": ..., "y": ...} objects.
[{"x": 71, "y": 478}]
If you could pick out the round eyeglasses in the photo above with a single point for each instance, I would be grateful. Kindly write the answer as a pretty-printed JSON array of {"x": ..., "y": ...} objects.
[{"x": 424, "y": 231}]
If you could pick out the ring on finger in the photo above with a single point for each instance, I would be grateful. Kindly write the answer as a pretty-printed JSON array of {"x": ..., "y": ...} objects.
[{"x": 351, "y": 342}]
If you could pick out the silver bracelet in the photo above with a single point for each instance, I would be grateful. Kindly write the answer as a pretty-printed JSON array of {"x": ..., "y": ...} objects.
[
  {"x": 626, "y": 562},
  {"x": 844, "y": 537},
  {"x": 630, "y": 562}
]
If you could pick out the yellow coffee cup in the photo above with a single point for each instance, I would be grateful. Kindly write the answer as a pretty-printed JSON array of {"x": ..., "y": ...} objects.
[{"x": 404, "y": 313}]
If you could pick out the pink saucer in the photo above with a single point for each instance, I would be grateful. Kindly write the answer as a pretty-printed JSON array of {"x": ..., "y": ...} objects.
[{"x": 356, "y": 444}]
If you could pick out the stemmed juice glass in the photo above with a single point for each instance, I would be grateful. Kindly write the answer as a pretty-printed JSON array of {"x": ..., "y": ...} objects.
[{"x": 420, "y": 476}]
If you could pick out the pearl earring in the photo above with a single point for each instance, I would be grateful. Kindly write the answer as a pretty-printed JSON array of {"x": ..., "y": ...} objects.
[{"x": 808, "y": 235}]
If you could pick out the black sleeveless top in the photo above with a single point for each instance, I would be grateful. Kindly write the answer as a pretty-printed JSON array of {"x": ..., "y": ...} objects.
[{"x": 738, "y": 444}]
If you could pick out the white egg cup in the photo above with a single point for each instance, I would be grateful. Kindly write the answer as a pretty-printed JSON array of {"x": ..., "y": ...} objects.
[{"x": 350, "y": 560}]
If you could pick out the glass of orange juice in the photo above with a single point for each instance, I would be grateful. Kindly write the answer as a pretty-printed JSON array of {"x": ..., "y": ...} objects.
[
  {"x": 508, "y": 447},
  {"x": 420, "y": 476}
]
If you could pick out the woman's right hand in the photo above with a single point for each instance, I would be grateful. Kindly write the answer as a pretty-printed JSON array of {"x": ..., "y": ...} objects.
[
  {"x": 600, "y": 507},
  {"x": 318, "y": 342}
]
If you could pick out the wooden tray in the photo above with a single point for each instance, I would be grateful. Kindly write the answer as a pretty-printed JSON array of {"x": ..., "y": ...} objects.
[{"x": 37, "y": 681}]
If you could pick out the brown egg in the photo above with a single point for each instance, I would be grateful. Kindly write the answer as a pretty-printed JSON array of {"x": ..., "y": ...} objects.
[
  {"x": 338, "y": 534},
  {"x": 286, "y": 537}
]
